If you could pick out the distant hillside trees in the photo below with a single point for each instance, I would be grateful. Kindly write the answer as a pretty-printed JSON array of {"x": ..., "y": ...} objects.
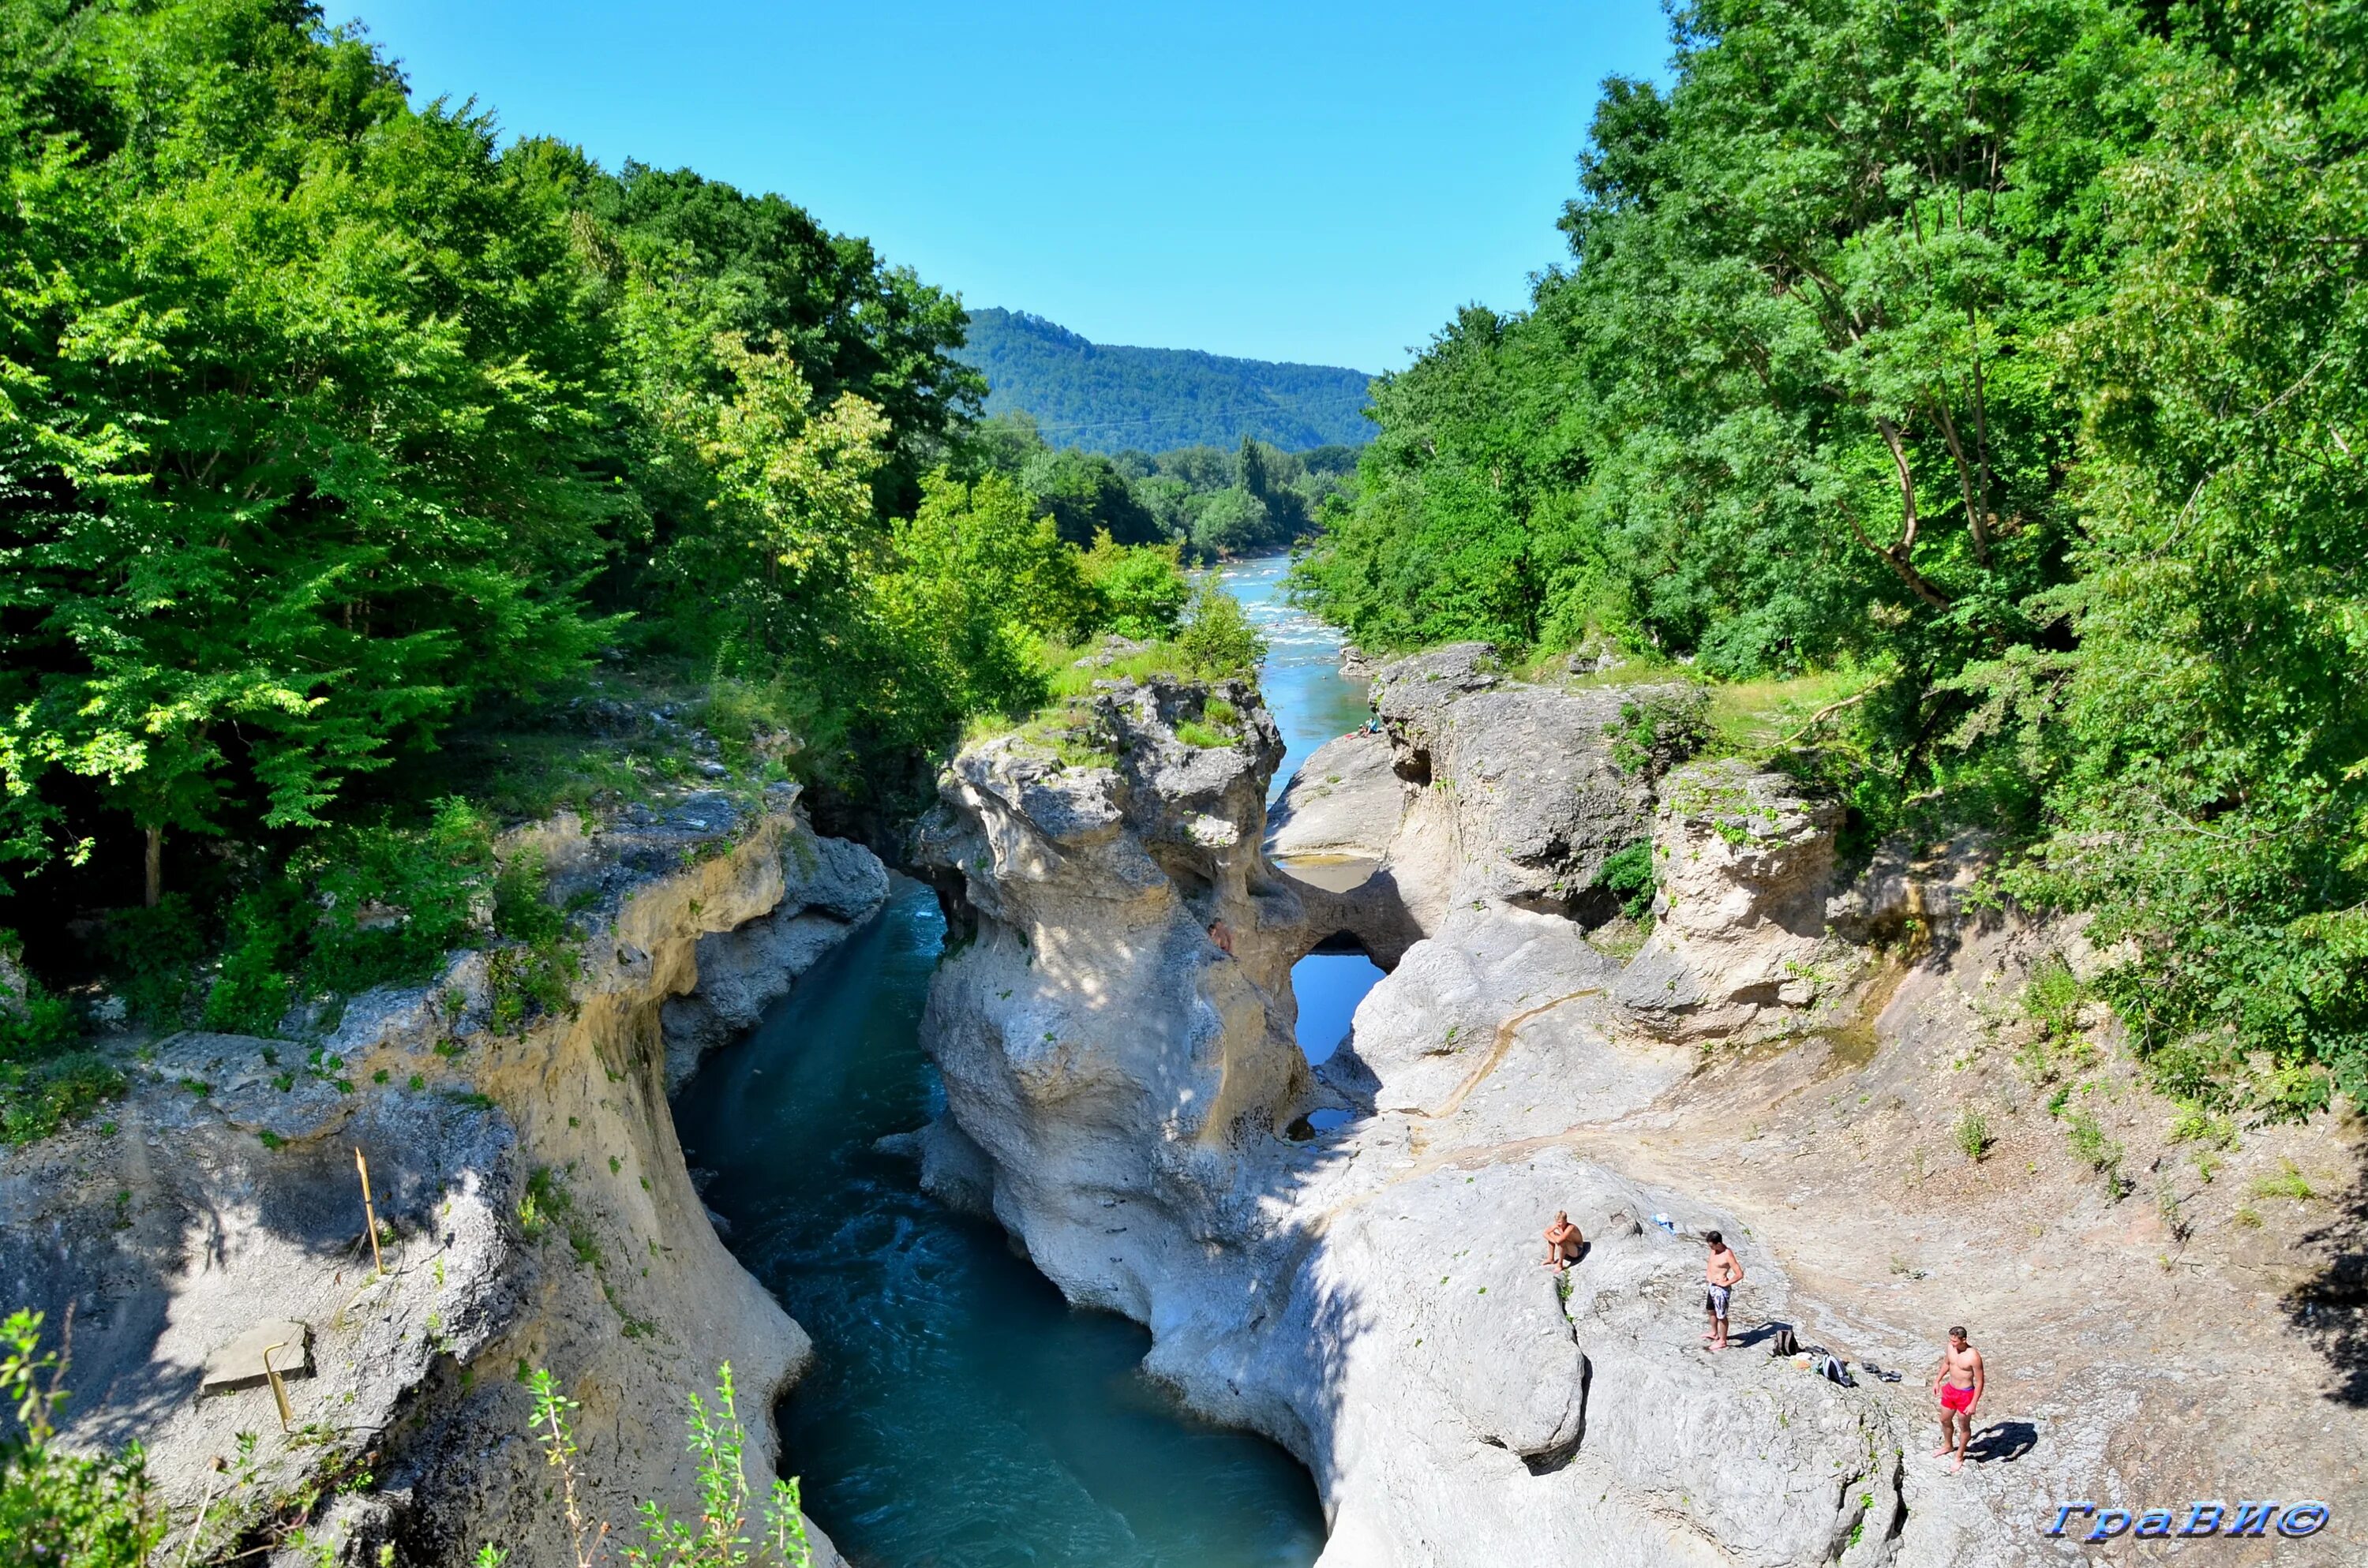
[
  {"x": 1107, "y": 399},
  {"x": 1210, "y": 500}
]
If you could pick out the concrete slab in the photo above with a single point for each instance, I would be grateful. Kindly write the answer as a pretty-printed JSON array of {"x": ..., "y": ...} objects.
[{"x": 239, "y": 1364}]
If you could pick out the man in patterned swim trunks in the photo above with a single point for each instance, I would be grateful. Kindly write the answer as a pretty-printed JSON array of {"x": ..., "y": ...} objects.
[
  {"x": 1959, "y": 1384},
  {"x": 1723, "y": 1273}
]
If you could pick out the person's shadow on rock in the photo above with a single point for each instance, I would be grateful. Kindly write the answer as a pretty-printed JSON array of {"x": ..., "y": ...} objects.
[{"x": 2005, "y": 1441}]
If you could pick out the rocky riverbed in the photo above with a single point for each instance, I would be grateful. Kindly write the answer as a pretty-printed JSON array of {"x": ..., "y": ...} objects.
[{"x": 1788, "y": 1058}]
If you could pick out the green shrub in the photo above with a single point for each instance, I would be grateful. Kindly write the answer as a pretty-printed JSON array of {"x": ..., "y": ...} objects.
[
  {"x": 1217, "y": 639},
  {"x": 1660, "y": 731},
  {"x": 2288, "y": 1183},
  {"x": 2195, "y": 1124},
  {"x": 1141, "y": 587},
  {"x": 2052, "y": 998},
  {"x": 152, "y": 956},
  {"x": 393, "y": 901},
  {"x": 251, "y": 992},
  {"x": 57, "y": 1509},
  {"x": 1627, "y": 874},
  {"x": 1973, "y": 1134},
  {"x": 723, "y": 1536},
  {"x": 45, "y": 1078},
  {"x": 2096, "y": 1150},
  {"x": 1193, "y": 733},
  {"x": 522, "y": 908}
]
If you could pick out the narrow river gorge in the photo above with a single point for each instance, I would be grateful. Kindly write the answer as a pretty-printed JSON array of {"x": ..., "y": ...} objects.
[{"x": 959, "y": 1411}]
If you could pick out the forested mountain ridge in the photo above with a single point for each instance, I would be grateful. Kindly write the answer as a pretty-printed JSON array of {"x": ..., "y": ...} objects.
[
  {"x": 1998, "y": 364},
  {"x": 1107, "y": 398}
]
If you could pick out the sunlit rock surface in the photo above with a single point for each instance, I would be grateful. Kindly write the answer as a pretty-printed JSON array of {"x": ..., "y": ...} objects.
[
  {"x": 1128, "y": 1093},
  {"x": 1745, "y": 861}
]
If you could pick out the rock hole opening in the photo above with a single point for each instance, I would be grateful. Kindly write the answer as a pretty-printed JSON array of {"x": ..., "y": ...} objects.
[{"x": 1328, "y": 984}]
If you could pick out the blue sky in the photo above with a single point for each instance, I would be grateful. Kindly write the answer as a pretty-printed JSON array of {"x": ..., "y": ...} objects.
[{"x": 1319, "y": 182}]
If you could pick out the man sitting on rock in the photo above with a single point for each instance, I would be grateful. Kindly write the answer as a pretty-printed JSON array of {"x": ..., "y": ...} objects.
[
  {"x": 1723, "y": 1272},
  {"x": 1564, "y": 1243}
]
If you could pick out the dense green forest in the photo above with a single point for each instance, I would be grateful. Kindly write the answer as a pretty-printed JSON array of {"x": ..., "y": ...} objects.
[
  {"x": 1209, "y": 501},
  {"x": 365, "y": 483},
  {"x": 2002, "y": 358},
  {"x": 1109, "y": 399}
]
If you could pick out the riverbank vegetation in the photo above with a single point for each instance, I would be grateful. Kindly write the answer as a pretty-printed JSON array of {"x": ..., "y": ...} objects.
[
  {"x": 1998, "y": 366},
  {"x": 367, "y": 483}
]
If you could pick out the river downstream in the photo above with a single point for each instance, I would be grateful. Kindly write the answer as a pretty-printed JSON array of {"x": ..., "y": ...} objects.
[{"x": 960, "y": 1413}]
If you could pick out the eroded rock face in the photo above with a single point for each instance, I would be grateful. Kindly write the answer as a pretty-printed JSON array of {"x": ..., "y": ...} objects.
[
  {"x": 829, "y": 885},
  {"x": 1118, "y": 1089},
  {"x": 1744, "y": 860},
  {"x": 1334, "y": 835},
  {"x": 1515, "y": 782},
  {"x": 1100, "y": 1042},
  {"x": 536, "y": 1210}
]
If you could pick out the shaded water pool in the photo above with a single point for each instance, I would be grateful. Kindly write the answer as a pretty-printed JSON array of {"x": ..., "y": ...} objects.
[{"x": 959, "y": 1414}]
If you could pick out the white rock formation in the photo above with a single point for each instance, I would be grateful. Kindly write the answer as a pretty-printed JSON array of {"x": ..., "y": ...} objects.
[
  {"x": 1372, "y": 1298},
  {"x": 1744, "y": 863},
  {"x": 1335, "y": 837},
  {"x": 1517, "y": 797}
]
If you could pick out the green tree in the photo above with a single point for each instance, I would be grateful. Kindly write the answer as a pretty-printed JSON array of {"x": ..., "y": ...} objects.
[
  {"x": 1083, "y": 493},
  {"x": 1232, "y": 522},
  {"x": 2208, "y": 732},
  {"x": 1217, "y": 640},
  {"x": 1143, "y": 587},
  {"x": 250, "y": 550}
]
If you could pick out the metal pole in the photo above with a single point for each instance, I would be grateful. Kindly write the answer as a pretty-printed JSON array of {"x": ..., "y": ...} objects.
[
  {"x": 278, "y": 1389},
  {"x": 369, "y": 1213}
]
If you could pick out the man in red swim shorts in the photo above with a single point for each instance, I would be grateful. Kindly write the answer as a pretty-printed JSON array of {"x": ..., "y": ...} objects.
[{"x": 1959, "y": 1384}]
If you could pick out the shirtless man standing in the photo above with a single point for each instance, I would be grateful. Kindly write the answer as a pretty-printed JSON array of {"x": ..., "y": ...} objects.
[
  {"x": 1564, "y": 1243},
  {"x": 1723, "y": 1273},
  {"x": 1959, "y": 1384}
]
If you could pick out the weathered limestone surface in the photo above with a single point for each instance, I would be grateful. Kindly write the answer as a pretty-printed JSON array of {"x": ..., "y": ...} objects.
[
  {"x": 1516, "y": 782},
  {"x": 1744, "y": 860},
  {"x": 1333, "y": 837},
  {"x": 225, "y": 1194},
  {"x": 1121, "y": 1088},
  {"x": 1436, "y": 1027}
]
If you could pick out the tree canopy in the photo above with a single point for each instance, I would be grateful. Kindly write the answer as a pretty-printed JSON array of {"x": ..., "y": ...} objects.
[
  {"x": 330, "y": 423},
  {"x": 2001, "y": 352}
]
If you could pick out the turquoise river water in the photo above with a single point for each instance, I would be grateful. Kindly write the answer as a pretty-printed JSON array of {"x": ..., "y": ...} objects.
[{"x": 959, "y": 1413}]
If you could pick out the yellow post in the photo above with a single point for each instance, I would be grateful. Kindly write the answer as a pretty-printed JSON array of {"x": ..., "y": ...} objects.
[
  {"x": 278, "y": 1389},
  {"x": 370, "y": 1214}
]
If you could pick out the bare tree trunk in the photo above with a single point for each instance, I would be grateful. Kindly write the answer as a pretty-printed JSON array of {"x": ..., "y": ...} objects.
[{"x": 155, "y": 885}]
